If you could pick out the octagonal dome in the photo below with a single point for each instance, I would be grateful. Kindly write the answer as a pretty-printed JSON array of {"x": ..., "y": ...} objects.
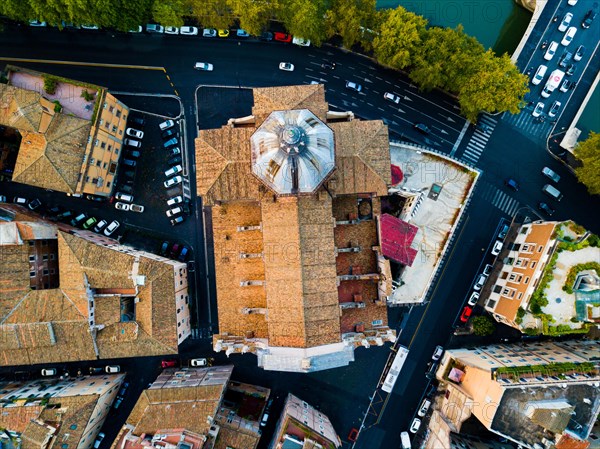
[{"x": 292, "y": 152}]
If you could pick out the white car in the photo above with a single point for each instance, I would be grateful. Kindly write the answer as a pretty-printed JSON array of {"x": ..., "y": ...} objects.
[
  {"x": 301, "y": 42},
  {"x": 112, "y": 227},
  {"x": 551, "y": 174},
  {"x": 173, "y": 171},
  {"x": 209, "y": 32},
  {"x": 175, "y": 200},
  {"x": 572, "y": 2},
  {"x": 198, "y": 362},
  {"x": 424, "y": 407},
  {"x": 112, "y": 369},
  {"x": 286, "y": 66},
  {"x": 497, "y": 247},
  {"x": 473, "y": 299},
  {"x": 154, "y": 28},
  {"x": 49, "y": 372},
  {"x": 122, "y": 206},
  {"x": 133, "y": 143},
  {"x": 566, "y": 21},
  {"x": 173, "y": 181},
  {"x": 539, "y": 108},
  {"x": 120, "y": 196},
  {"x": 414, "y": 427},
  {"x": 480, "y": 282},
  {"x": 554, "y": 109},
  {"x": 353, "y": 86},
  {"x": 166, "y": 125},
  {"x": 207, "y": 67},
  {"x": 136, "y": 208},
  {"x": 99, "y": 439},
  {"x": 539, "y": 75},
  {"x": 391, "y": 97},
  {"x": 36, "y": 23},
  {"x": 569, "y": 35},
  {"x": 439, "y": 351},
  {"x": 188, "y": 31},
  {"x": 551, "y": 51},
  {"x": 139, "y": 29},
  {"x": 134, "y": 133},
  {"x": 174, "y": 211},
  {"x": 171, "y": 30}
]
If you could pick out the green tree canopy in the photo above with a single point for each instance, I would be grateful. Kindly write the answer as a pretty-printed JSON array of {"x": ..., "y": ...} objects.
[
  {"x": 346, "y": 17},
  {"x": 211, "y": 13},
  {"x": 304, "y": 18},
  {"x": 588, "y": 152},
  {"x": 254, "y": 16},
  {"x": 168, "y": 12},
  {"x": 400, "y": 37},
  {"x": 483, "y": 325}
]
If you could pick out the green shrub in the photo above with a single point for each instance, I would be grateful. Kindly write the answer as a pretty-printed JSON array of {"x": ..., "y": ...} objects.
[
  {"x": 574, "y": 271},
  {"x": 50, "y": 84},
  {"x": 57, "y": 106},
  {"x": 86, "y": 95},
  {"x": 594, "y": 240},
  {"x": 483, "y": 325}
]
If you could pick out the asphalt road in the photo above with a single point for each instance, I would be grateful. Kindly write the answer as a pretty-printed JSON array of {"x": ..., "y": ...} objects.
[{"x": 341, "y": 393}]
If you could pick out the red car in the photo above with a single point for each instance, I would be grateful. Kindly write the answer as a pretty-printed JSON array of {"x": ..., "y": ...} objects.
[
  {"x": 282, "y": 37},
  {"x": 466, "y": 313},
  {"x": 168, "y": 363},
  {"x": 353, "y": 435}
]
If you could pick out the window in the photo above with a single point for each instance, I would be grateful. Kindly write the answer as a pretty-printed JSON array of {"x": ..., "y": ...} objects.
[
  {"x": 32, "y": 258},
  {"x": 524, "y": 230},
  {"x": 32, "y": 274},
  {"x": 52, "y": 256},
  {"x": 98, "y": 163},
  {"x": 109, "y": 148},
  {"x": 52, "y": 271},
  {"x": 114, "y": 128},
  {"x": 111, "y": 109},
  {"x": 377, "y": 322},
  {"x": 45, "y": 257},
  {"x": 103, "y": 145},
  {"x": 533, "y": 264},
  {"x": 527, "y": 280},
  {"x": 540, "y": 249},
  {"x": 516, "y": 246},
  {"x": 497, "y": 288},
  {"x": 87, "y": 179},
  {"x": 118, "y": 113},
  {"x": 104, "y": 165},
  {"x": 31, "y": 243},
  {"x": 520, "y": 295},
  {"x": 108, "y": 184},
  {"x": 46, "y": 272},
  {"x": 117, "y": 151}
]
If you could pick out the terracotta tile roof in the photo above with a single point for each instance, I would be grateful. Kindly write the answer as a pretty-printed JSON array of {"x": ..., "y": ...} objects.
[
  {"x": 269, "y": 99},
  {"x": 49, "y": 158},
  {"x": 45, "y": 326},
  {"x": 568, "y": 442},
  {"x": 396, "y": 239}
]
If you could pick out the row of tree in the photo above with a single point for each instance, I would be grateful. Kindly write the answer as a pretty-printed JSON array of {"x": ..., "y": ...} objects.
[{"x": 435, "y": 58}]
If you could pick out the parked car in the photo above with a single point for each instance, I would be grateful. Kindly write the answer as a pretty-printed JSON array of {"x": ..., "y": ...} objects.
[
  {"x": 437, "y": 353},
  {"x": 49, "y": 371},
  {"x": 78, "y": 219},
  {"x": 539, "y": 74},
  {"x": 166, "y": 124},
  {"x": 546, "y": 208},
  {"x": 568, "y": 37},
  {"x": 96, "y": 370},
  {"x": 164, "y": 248},
  {"x": 168, "y": 363},
  {"x": 129, "y": 162},
  {"x": 34, "y": 204},
  {"x": 466, "y": 313},
  {"x": 353, "y": 86},
  {"x": 173, "y": 181},
  {"x": 286, "y": 66},
  {"x": 539, "y": 108},
  {"x": 488, "y": 269},
  {"x": 188, "y": 31},
  {"x": 473, "y": 299},
  {"x": 100, "y": 225},
  {"x": 566, "y": 85},
  {"x": 136, "y": 208},
  {"x": 120, "y": 196},
  {"x": 554, "y": 109},
  {"x": 424, "y": 407},
  {"x": 551, "y": 174},
  {"x": 171, "y": 30},
  {"x": 117, "y": 402},
  {"x": 111, "y": 228},
  {"x": 183, "y": 255},
  {"x": 588, "y": 19},
  {"x": 89, "y": 223},
  {"x": 123, "y": 390},
  {"x": 512, "y": 184},
  {"x": 209, "y": 32},
  {"x": 133, "y": 143},
  {"x": 566, "y": 21},
  {"x": 579, "y": 53},
  {"x": 353, "y": 435},
  {"x": 99, "y": 439},
  {"x": 222, "y": 33},
  {"x": 391, "y": 97},
  {"x": 36, "y": 23},
  {"x": 112, "y": 369},
  {"x": 174, "y": 160},
  {"x": 198, "y": 362},
  {"x": 241, "y": 33},
  {"x": 503, "y": 231},
  {"x": 207, "y": 67},
  {"x": 122, "y": 206},
  {"x": 133, "y": 153},
  {"x": 169, "y": 133},
  {"x": 175, "y": 151},
  {"x": 171, "y": 142},
  {"x": 266, "y": 36},
  {"x": 174, "y": 211},
  {"x": 174, "y": 200},
  {"x": 282, "y": 37},
  {"x": 480, "y": 282},
  {"x": 134, "y": 133},
  {"x": 19, "y": 200},
  {"x": 177, "y": 220},
  {"x": 301, "y": 42},
  {"x": 414, "y": 427},
  {"x": 154, "y": 28},
  {"x": 551, "y": 51},
  {"x": 497, "y": 247}
]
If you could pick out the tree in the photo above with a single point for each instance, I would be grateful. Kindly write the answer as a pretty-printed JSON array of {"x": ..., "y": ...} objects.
[
  {"x": 347, "y": 19},
  {"x": 588, "y": 152},
  {"x": 168, "y": 12},
  {"x": 304, "y": 18},
  {"x": 399, "y": 38},
  {"x": 211, "y": 13},
  {"x": 495, "y": 86},
  {"x": 254, "y": 15},
  {"x": 483, "y": 325}
]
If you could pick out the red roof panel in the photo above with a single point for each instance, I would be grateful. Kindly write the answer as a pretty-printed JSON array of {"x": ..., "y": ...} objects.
[{"x": 396, "y": 239}]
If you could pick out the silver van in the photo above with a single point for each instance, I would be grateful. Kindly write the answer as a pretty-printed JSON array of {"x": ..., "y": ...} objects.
[
  {"x": 552, "y": 191},
  {"x": 405, "y": 440}
]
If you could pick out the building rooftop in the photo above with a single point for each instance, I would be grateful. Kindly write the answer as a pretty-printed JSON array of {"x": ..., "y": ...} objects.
[
  {"x": 132, "y": 294},
  {"x": 396, "y": 239}
]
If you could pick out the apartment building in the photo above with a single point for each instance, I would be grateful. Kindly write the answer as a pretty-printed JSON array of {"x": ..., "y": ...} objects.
[
  {"x": 294, "y": 191},
  {"x": 301, "y": 426},
  {"x": 69, "y": 143},
  {"x": 57, "y": 414},
  {"x": 539, "y": 395},
  {"x": 69, "y": 295},
  {"x": 194, "y": 408}
]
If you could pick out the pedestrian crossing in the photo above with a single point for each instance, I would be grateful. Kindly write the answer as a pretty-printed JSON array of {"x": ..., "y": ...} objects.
[
  {"x": 500, "y": 199},
  {"x": 529, "y": 125},
  {"x": 476, "y": 145}
]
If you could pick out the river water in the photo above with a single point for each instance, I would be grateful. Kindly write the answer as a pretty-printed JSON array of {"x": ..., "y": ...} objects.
[{"x": 497, "y": 24}]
